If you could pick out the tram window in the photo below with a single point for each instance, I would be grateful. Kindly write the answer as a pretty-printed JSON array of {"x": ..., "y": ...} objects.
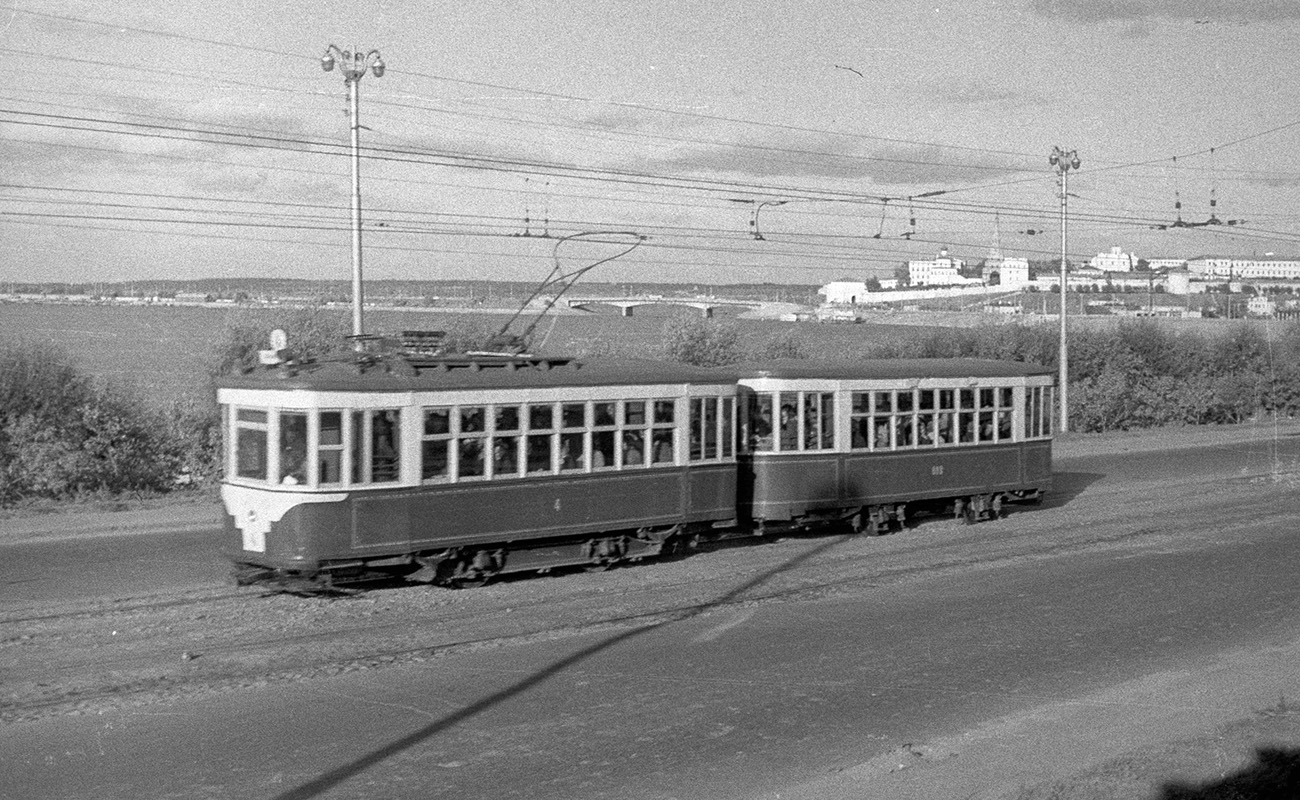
[
  {"x": 572, "y": 451},
  {"x": 385, "y": 444},
  {"x": 728, "y": 429},
  {"x": 925, "y": 399},
  {"x": 925, "y": 430},
  {"x": 435, "y": 461},
  {"x": 986, "y": 398},
  {"x": 250, "y": 444},
  {"x": 541, "y": 418},
  {"x": 634, "y": 412},
  {"x": 710, "y": 429},
  {"x": 573, "y": 415},
  {"x": 662, "y": 446},
  {"x": 435, "y": 449},
  {"x": 505, "y": 455},
  {"x": 947, "y": 399},
  {"x": 329, "y": 451},
  {"x": 906, "y": 401},
  {"x": 818, "y": 420},
  {"x": 859, "y": 421},
  {"x": 632, "y": 438},
  {"x": 359, "y": 439},
  {"x": 696, "y": 423},
  {"x": 472, "y": 419},
  {"x": 437, "y": 421},
  {"x": 293, "y": 448},
  {"x": 663, "y": 435},
  {"x": 760, "y": 422},
  {"x": 506, "y": 418},
  {"x": 903, "y": 429},
  {"x": 884, "y": 402},
  {"x": 966, "y": 426},
  {"x": 943, "y": 427},
  {"x": 1004, "y": 425},
  {"x": 1006, "y": 397},
  {"x": 881, "y": 433},
  {"x": 470, "y": 458},
  {"x": 602, "y": 449},
  {"x": 789, "y": 421},
  {"x": 603, "y": 414},
  {"x": 986, "y": 424},
  {"x": 664, "y": 411},
  {"x": 1047, "y": 410},
  {"x": 967, "y": 398},
  {"x": 633, "y": 448},
  {"x": 539, "y": 453}
]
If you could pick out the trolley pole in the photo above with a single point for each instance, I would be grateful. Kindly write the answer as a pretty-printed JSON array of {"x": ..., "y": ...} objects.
[
  {"x": 1064, "y": 162},
  {"x": 354, "y": 66}
]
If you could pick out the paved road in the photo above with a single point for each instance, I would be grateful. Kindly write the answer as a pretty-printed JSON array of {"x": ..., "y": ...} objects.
[{"x": 35, "y": 573}]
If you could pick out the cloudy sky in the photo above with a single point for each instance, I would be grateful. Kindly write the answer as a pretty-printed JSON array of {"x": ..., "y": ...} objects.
[{"x": 746, "y": 140}]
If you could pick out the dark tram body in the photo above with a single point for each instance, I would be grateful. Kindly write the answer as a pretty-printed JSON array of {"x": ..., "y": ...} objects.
[{"x": 452, "y": 469}]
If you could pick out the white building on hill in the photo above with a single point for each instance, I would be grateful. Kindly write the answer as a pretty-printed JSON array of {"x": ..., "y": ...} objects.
[
  {"x": 1245, "y": 268},
  {"x": 943, "y": 270},
  {"x": 1114, "y": 261}
]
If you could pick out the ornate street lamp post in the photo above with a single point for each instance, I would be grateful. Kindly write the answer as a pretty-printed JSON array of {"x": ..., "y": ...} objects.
[
  {"x": 354, "y": 65},
  {"x": 1064, "y": 162}
]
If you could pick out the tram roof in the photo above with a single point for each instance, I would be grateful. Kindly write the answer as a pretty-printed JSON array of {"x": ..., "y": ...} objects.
[
  {"x": 460, "y": 372},
  {"x": 889, "y": 369}
]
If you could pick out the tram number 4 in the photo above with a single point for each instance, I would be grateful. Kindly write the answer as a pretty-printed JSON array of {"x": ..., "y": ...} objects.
[
  {"x": 936, "y": 470},
  {"x": 557, "y": 504}
]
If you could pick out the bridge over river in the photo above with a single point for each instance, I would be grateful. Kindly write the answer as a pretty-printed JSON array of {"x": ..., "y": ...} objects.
[{"x": 628, "y": 303}]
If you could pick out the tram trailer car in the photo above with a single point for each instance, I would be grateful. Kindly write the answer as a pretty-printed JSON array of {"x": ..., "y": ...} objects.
[
  {"x": 874, "y": 441},
  {"x": 453, "y": 469}
]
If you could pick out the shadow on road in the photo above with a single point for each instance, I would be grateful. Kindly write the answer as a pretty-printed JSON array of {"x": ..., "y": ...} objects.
[
  {"x": 1068, "y": 485},
  {"x": 342, "y": 773},
  {"x": 1275, "y": 775}
]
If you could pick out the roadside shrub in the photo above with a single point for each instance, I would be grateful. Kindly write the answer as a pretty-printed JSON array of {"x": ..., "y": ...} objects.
[
  {"x": 699, "y": 342},
  {"x": 63, "y": 435}
]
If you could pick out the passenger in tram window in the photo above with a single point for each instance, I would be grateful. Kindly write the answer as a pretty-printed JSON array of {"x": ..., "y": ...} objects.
[
  {"x": 632, "y": 448},
  {"x": 925, "y": 430},
  {"x": 662, "y": 441},
  {"x": 860, "y": 428},
  {"x": 966, "y": 427},
  {"x": 1004, "y": 426},
  {"x": 789, "y": 428},
  {"x": 986, "y": 426},
  {"x": 945, "y": 428},
  {"x": 383, "y": 439},
  {"x": 903, "y": 429},
  {"x": 882, "y": 441},
  {"x": 471, "y": 458},
  {"x": 505, "y": 456},
  {"x": 571, "y": 451},
  {"x": 602, "y": 449},
  {"x": 760, "y": 423}
]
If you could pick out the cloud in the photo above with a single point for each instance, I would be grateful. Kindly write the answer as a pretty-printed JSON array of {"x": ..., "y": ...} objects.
[
  {"x": 838, "y": 157},
  {"x": 1101, "y": 11}
]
